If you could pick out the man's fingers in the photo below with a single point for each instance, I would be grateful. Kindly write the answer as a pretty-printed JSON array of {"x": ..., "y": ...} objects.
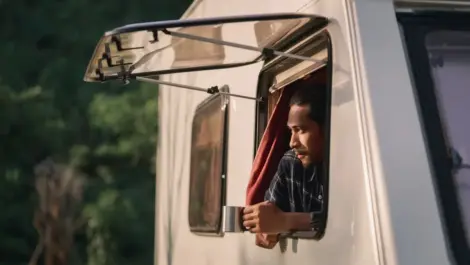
[
  {"x": 263, "y": 240},
  {"x": 252, "y": 208},
  {"x": 248, "y": 209},
  {"x": 250, "y": 216},
  {"x": 266, "y": 246},
  {"x": 272, "y": 244},
  {"x": 255, "y": 229},
  {"x": 263, "y": 245},
  {"x": 250, "y": 223},
  {"x": 272, "y": 237}
]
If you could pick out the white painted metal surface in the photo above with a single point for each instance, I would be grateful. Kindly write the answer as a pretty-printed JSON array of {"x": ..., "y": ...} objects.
[{"x": 382, "y": 207}]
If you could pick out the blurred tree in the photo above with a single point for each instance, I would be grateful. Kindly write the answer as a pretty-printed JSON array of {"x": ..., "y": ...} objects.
[
  {"x": 58, "y": 216},
  {"x": 107, "y": 132}
]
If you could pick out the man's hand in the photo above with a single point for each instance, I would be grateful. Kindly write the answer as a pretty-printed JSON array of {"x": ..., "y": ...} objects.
[
  {"x": 267, "y": 241},
  {"x": 265, "y": 217}
]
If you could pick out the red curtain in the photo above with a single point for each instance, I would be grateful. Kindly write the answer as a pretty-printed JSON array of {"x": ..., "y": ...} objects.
[{"x": 270, "y": 151}]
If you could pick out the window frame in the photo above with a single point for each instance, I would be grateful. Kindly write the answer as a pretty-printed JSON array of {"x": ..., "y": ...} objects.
[
  {"x": 265, "y": 81},
  {"x": 218, "y": 230},
  {"x": 415, "y": 27},
  {"x": 276, "y": 65}
]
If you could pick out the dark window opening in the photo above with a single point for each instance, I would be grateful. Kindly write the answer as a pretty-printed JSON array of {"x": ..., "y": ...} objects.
[{"x": 272, "y": 136}]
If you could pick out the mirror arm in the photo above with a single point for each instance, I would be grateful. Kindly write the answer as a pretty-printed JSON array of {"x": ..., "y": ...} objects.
[{"x": 211, "y": 90}]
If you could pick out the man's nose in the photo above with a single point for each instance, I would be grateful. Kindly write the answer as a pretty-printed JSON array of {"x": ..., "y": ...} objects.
[{"x": 294, "y": 141}]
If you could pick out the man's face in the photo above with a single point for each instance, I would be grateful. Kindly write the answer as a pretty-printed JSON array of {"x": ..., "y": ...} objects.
[{"x": 306, "y": 139}]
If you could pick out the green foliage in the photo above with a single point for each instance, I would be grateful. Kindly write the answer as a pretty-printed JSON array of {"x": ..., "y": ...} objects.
[
  {"x": 130, "y": 119},
  {"x": 107, "y": 131}
]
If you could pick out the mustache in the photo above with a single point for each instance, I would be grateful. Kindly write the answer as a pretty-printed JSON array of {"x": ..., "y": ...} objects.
[{"x": 300, "y": 152}]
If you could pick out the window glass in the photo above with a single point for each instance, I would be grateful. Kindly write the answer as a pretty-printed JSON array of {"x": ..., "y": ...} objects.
[
  {"x": 207, "y": 167},
  {"x": 449, "y": 53}
]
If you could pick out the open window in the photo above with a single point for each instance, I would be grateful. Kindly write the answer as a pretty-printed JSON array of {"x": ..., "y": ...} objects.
[
  {"x": 155, "y": 48},
  {"x": 279, "y": 80},
  {"x": 208, "y": 166}
]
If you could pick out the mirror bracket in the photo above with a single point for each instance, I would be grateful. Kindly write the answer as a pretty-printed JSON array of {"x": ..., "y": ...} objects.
[
  {"x": 123, "y": 75},
  {"x": 117, "y": 40},
  {"x": 268, "y": 53},
  {"x": 155, "y": 37},
  {"x": 211, "y": 90}
]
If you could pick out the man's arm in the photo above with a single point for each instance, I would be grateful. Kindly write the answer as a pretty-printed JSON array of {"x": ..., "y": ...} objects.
[
  {"x": 266, "y": 217},
  {"x": 273, "y": 215},
  {"x": 297, "y": 221},
  {"x": 301, "y": 221},
  {"x": 278, "y": 194}
]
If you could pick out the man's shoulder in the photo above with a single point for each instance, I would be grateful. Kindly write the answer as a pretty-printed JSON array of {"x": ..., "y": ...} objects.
[
  {"x": 289, "y": 155},
  {"x": 290, "y": 159},
  {"x": 290, "y": 166}
]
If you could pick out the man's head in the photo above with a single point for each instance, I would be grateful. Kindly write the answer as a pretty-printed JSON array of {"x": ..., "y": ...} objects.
[{"x": 306, "y": 120}]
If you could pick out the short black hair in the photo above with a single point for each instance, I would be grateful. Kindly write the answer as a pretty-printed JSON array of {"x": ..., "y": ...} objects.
[{"x": 313, "y": 96}]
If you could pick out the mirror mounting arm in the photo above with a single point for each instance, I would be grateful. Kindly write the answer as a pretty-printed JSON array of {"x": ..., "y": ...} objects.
[
  {"x": 268, "y": 53},
  {"x": 211, "y": 90},
  {"x": 155, "y": 37},
  {"x": 124, "y": 75}
]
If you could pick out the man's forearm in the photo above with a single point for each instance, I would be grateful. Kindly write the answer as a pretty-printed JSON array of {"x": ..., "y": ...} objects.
[{"x": 297, "y": 221}]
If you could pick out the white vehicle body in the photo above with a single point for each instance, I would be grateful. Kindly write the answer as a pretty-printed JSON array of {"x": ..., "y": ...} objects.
[{"x": 384, "y": 206}]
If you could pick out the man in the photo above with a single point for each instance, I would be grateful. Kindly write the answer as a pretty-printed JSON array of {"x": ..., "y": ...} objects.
[{"x": 294, "y": 199}]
